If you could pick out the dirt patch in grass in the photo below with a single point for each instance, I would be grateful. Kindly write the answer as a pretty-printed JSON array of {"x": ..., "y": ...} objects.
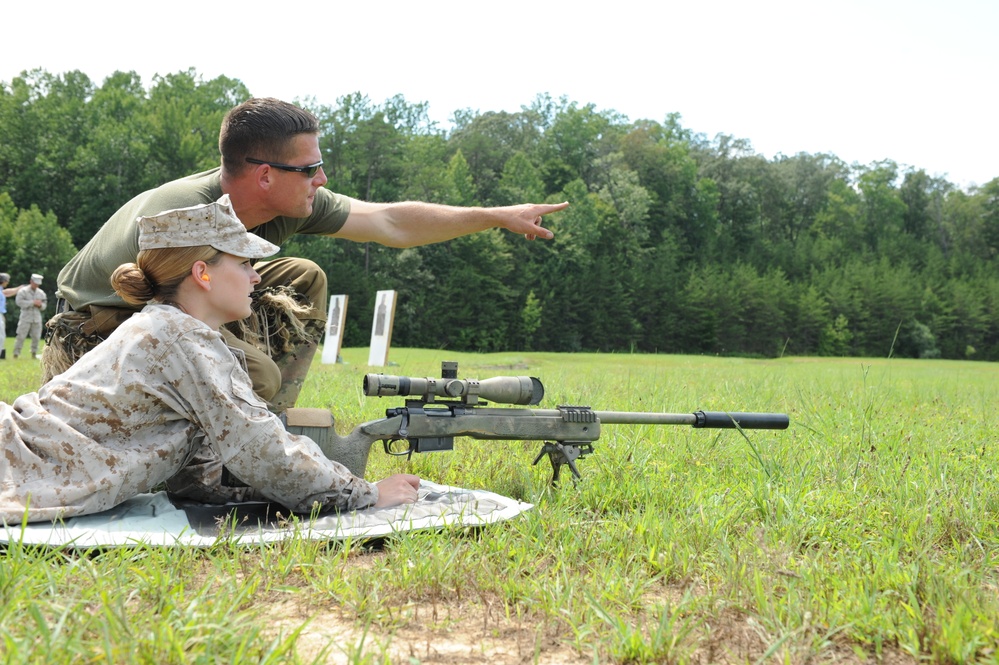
[
  {"x": 477, "y": 632},
  {"x": 424, "y": 633}
]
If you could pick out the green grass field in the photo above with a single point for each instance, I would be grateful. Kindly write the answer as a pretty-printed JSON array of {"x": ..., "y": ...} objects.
[{"x": 867, "y": 532}]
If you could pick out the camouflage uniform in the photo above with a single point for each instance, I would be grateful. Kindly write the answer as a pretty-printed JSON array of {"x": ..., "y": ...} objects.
[
  {"x": 4, "y": 280},
  {"x": 160, "y": 391},
  {"x": 278, "y": 360},
  {"x": 30, "y": 322}
]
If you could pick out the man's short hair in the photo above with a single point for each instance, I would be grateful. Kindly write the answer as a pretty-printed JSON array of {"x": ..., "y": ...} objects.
[
  {"x": 4, "y": 278},
  {"x": 261, "y": 128}
]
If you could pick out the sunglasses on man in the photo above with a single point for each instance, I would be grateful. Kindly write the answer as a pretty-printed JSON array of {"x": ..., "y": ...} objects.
[{"x": 309, "y": 170}]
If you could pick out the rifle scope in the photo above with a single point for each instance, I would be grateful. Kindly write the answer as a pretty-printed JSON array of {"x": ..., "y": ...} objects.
[{"x": 499, "y": 389}]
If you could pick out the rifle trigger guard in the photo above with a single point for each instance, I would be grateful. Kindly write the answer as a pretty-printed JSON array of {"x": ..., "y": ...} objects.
[
  {"x": 403, "y": 436},
  {"x": 387, "y": 445}
]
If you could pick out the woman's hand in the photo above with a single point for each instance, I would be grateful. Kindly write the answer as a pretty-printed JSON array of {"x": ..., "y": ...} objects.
[{"x": 398, "y": 489}]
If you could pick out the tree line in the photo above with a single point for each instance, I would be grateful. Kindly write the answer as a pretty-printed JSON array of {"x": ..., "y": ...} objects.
[{"x": 674, "y": 242}]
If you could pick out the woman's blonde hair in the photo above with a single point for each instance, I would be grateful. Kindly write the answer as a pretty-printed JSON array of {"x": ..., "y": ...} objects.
[{"x": 157, "y": 273}]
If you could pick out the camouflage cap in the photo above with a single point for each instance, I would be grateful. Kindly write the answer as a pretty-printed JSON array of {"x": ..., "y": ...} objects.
[
  {"x": 36, "y": 278},
  {"x": 213, "y": 224}
]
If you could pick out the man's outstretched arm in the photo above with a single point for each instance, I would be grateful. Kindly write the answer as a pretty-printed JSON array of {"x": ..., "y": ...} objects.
[{"x": 411, "y": 223}]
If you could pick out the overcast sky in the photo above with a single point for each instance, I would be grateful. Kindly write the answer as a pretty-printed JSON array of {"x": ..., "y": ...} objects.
[{"x": 909, "y": 80}]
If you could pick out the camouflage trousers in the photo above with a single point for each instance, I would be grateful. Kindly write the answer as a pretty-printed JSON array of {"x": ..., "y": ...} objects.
[{"x": 279, "y": 339}]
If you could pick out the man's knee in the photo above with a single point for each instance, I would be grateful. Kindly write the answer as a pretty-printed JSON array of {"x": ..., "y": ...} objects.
[
  {"x": 302, "y": 275},
  {"x": 311, "y": 280},
  {"x": 265, "y": 376},
  {"x": 264, "y": 373}
]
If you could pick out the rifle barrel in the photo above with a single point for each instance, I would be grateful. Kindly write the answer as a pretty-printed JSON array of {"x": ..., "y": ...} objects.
[
  {"x": 710, "y": 419},
  {"x": 643, "y": 418}
]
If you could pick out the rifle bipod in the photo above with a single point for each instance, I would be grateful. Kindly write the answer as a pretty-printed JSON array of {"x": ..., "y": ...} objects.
[{"x": 564, "y": 454}]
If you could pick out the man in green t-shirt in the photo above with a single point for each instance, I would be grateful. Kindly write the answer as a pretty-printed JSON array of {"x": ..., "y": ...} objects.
[{"x": 272, "y": 171}]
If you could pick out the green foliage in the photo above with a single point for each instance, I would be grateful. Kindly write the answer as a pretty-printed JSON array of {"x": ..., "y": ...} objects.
[
  {"x": 520, "y": 181},
  {"x": 459, "y": 188},
  {"x": 103, "y": 145},
  {"x": 448, "y": 308},
  {"x": 530, "y": 320},
  {"x": 489, "y": 141},
  {"x": 36, "y": 244},
  {"x": 836, "y": 338},
  {"x": 672, "y": 242},
  {"x": 990, "y": 218}
]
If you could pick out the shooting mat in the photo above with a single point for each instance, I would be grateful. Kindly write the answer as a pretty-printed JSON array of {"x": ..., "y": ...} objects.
[{"x": 153, "y": 519}]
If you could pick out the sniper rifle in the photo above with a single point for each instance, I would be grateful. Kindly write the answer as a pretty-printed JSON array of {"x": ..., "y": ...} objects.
[{"x": 440, "y": 409}]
